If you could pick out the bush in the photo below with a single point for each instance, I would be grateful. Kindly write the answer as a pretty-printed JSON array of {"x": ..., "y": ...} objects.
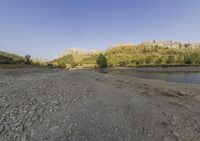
[
  {"x": 50, "y": 65},
  {"x": 61, "y": 65},
  {"x": 102, "y": 61},
  {"x": 187, "y": 59},
  {"x": 73, "y": 64},
  {"x": 27, "y": 59},
  {"x": 170, "y": 59},
  {"x": 122, "y": 63}
]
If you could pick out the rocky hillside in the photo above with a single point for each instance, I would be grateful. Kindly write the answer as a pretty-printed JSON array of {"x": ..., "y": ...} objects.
[
  {"x": 77, "y": 51},
  {"x": 146, "y": 53},
  {"x": 172, "y": 44}
]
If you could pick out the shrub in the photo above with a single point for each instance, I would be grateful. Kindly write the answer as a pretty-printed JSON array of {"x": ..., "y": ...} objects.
[
  {"x": 73, "y": 64},
  {"x": 102, "y": 61},
  {"x": 50, "y": 65},
  {"x": 27, "y": 59},
  {"x": 122, "y": 63},
  {"x": 170, "y": 59},
  {"x": 61, "y": 65},
  {"x": 187, "y": 59}
]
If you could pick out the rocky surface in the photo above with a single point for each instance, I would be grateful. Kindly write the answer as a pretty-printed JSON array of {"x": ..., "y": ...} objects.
[
  {"x": 172, "y": 44},
  {"x": 77, "y": 51},
  {"x": 160, "y": 43},
  {"x": 52, "y": 104}
]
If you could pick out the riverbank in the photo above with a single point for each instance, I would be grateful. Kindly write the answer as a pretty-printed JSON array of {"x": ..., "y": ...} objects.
[
  {"x": 56, "y": 104},
  {"x": 157, "y": 69}
]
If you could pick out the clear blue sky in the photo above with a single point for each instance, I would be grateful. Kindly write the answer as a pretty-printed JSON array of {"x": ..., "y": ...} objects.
[{"x": 44, "y": 28}]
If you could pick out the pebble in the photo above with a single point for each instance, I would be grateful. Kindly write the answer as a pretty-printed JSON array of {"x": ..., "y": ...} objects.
[
  {"x": 6, "y": 105},
  {"x": 19, "y": 129},
  {"x": 176, "y": 135},
  {"x": 70, "y": 126},
  {"x": 173, "y": 122},
  {"x": 54, "y": 129},
  {"x": 182, "y": 93},
  {"x": 35, "y": 118},
  {"x": 29, "y": 123},
  {"x": 56, "y": 103},
  {"x": 23, "y": 138},
  {"x": 1, "y": 129},
  {"x": 31, "y": 112}
]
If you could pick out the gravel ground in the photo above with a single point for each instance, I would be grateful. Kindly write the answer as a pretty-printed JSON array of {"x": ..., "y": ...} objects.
[{"x": 40, "y": 104}]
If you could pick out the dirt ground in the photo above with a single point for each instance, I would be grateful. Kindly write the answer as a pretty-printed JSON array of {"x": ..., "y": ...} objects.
[{"x": 41, "y": 104}]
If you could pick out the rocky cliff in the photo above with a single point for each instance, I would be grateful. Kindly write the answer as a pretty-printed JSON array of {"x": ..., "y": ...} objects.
[
  {"x": 172, "y": 44},
  {"x": 78, "y": 51}
]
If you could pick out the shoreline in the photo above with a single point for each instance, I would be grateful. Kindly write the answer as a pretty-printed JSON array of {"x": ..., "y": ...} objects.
[
  {"x": 156, "y": 69},
  {"x": 110, "y": 69}
]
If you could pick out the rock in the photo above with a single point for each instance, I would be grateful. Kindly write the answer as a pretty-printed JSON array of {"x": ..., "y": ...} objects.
[
  {"x": 29, "y": 123},
  {"x": 19, "y": 128},
  {"x": 70, "y": 128},
  {"x": 145, "y": 86},
  {"x": 16, "y": 124},
  {"x": 31, "y": 112},
  {"x": 6, "y": 127},
  {"x": 6, "y": 105},
  {"x": 33, "y": 108},
  {"x": 54, "y": 129},
  {"x": 55, "y": 103},
  {"x": 165, "y": 124},
  {"x": 176, "y": 135},
  {"x": 173, "y": 122},
  {"x": 23, "y": 138},
  {"x": 182, "y": 93},
  {"x": 1, "y": 129},
  {"x": 165, "y": 139},
  {"x": 35, "y": 118}
]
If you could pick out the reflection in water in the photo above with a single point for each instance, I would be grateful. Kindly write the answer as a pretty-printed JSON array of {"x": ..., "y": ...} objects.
[{"x": 182, "y": 77}]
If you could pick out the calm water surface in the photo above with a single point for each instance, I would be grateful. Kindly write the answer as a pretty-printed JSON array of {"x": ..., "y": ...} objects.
[{"x": 189, "y": 77}]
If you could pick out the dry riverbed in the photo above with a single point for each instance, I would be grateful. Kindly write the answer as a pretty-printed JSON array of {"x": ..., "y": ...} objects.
[{"x": 52, "y": 104}]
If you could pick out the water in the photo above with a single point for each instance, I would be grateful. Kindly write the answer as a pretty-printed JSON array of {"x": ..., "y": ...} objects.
[{"x": 181, "y": 77}]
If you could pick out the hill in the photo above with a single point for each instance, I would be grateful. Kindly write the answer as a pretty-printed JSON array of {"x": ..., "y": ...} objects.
[
  {"x": 8, "y": 58},
  {"x": 147, "y": 53},
  {"x": 77, "y": 57}
]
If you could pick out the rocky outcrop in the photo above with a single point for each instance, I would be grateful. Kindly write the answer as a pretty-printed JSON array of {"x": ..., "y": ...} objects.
[
  {"x": 172, "y": 44},
  {"x": 78, "y": 51},
  {"x": 160, "y": 43}
]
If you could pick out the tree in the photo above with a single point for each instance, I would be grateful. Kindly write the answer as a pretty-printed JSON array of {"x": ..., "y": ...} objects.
[
  {"x": 148, "y": 59},
  {"x": 61, "y": 65},
  {"x": 102, "y": 61},
  {"x": 158, "y": 60},
  {"x": 27, "y": 59},
  {"x": 187, "y": 59},
  {"x": 73, "y": 64},
  {"x": 170, "y": 59}
]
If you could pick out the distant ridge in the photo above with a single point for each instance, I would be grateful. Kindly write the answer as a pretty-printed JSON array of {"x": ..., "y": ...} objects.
[
  {"x": 171, "y": 44},
  {"x": 155, "y": 52},
  {"x": 10, "y": 58},
  {"x": 77, "y": 51},
  {"x": 160, "y": 43}
]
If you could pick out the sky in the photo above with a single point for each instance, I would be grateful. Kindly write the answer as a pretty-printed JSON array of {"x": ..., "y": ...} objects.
[{"x": 45, "y": 28}]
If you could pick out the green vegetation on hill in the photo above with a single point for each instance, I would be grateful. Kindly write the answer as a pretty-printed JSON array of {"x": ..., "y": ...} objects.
[
  {"x": 74, "y": 60},
  {"x": 102, "y": 61},
  {"x": 8, "y": 58},
  {"x": 151, "y": 55},
  {"x": 140, "y": 55},
  {"x": 65, "y": 61}
]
